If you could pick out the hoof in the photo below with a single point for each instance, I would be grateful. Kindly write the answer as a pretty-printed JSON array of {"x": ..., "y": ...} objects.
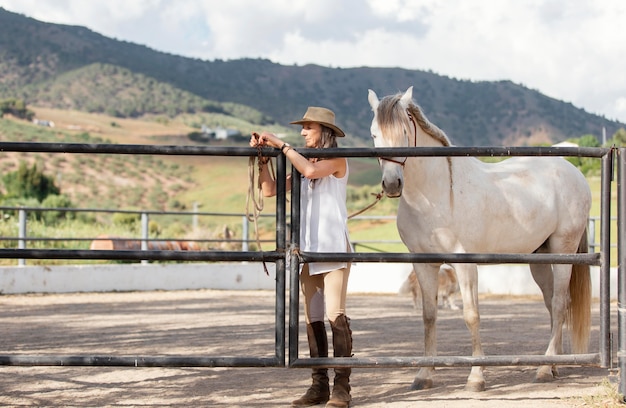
[
  {"x": 543, "y": 379},
  {"x": 546, "y": 374},
  {"x": 478, "y": 386},
  {"x": 421, "y": 384}
]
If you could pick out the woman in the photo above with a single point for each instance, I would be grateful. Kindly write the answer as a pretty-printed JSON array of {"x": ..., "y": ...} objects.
[{"x": 323, "y": 229}]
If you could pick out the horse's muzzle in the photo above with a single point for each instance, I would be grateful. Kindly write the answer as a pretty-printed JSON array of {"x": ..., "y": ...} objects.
[{"x": 392, "y": 190}]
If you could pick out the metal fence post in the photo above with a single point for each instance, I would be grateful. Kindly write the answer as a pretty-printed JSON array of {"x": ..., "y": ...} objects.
[
  {"x": 605, "y": 267},
  {"x": 281, "y": 264},
  {"x": 194, "y": 218},
  {"x": 21, "y": 244},
  {"x": 621, "y": 274},
  {"x": 294, "y": 267},
  {"x": 245, "y": 227}
]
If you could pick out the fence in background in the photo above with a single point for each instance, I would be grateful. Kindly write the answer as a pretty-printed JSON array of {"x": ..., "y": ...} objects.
[{"x": 23, "y": 237}]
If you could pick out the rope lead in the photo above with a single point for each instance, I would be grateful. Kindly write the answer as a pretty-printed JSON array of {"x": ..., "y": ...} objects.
[{"x": 253, "y": 216}]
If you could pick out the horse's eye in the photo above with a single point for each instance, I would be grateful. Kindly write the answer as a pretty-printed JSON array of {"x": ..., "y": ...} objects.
[{"x": 373, "y": 136}]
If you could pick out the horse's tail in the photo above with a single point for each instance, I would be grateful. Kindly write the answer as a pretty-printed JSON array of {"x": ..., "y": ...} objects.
[
  {"x": 407, "y": 285},
  {"x": 579, "y": 312}
]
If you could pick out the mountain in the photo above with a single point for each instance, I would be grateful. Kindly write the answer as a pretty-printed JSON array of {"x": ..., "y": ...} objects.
[{"x": 73, "y": 67}]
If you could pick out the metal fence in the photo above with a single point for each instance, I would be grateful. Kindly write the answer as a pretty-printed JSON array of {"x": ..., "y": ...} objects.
[
  {"x": 23, "y": 238},
  {"x": 291, "y": 250}
]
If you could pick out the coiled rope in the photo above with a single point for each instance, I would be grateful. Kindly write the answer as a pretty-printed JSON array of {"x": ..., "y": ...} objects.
[{"x": 254, "y": 215}]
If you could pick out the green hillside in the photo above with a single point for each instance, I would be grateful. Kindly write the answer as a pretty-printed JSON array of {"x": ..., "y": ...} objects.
[
  {"x": 217, "y": 184},
  {"x": 116, "y": 91}
]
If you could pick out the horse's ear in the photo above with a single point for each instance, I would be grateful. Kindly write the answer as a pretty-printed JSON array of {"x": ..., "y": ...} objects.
[
  {"x": 373, "y": 99},
  {"x": 407, "y": 97}
]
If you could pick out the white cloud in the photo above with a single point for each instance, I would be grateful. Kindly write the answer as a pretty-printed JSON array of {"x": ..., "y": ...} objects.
[
  {"x": 403, "y": 10},
  {"x": 570, "y": 51}
]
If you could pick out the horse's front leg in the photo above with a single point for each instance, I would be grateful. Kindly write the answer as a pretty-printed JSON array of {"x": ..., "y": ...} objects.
[
  {"x": 467, "y": 274},
  {"x": 428, "y": 278}
]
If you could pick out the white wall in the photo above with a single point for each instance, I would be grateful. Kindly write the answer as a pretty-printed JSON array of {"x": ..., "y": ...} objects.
[{"x": 364, "y": 278}]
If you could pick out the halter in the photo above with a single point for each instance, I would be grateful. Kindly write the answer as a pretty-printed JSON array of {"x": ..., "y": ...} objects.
[{"x": 401, "y": 163}]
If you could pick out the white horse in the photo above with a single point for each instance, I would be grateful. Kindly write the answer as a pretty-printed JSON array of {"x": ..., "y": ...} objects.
[{"x": 463, "y": 205}]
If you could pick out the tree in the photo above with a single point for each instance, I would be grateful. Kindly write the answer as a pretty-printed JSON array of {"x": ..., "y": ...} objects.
[
  {"x": 29, "y": 183},
  {"x": 17, "y": 108},
  {"x": 588, "y": 141},
  {"x": 589, "y": 166},
  {"x": 619, "y": 138}
]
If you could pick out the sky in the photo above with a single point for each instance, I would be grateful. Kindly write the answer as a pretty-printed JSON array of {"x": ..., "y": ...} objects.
[{"x": 573, "y": 51}]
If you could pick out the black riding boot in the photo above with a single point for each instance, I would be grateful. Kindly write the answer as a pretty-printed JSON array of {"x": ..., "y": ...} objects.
[
  {"x": 342, "y": 347},
  {"x": 319, "y": 391}
]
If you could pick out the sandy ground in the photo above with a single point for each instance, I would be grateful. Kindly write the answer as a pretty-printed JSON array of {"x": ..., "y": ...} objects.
[{"x": 241, "y": 323}]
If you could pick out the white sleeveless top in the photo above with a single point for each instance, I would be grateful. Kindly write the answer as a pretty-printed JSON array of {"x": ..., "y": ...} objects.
[{"x": 323, "y": 219}]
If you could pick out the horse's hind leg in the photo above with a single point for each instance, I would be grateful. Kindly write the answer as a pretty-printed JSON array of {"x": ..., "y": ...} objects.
[
  {"x": 554, "y": 287},
  {"x": 542, "y": 274}
]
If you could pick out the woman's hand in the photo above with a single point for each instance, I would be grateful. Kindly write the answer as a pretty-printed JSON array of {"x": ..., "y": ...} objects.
[
  {"x": 255, "y": 140},
  {"x": 265, "y": 139},
  {"x": 270, "y": 139}
]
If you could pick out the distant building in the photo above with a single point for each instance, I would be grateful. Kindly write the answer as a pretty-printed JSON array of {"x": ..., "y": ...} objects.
[
  {"x": 565, "y": 144},
  {"x": 219, "y": 132},
  {"x": 47, "y": 123}
]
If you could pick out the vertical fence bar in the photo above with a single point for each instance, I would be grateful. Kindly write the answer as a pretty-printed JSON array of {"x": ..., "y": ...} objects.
[
  {"x": 605, "y": 267},
  {"x": 194, "y": 217},
  {"x": 245, "y": 228},
  {"x": 591, "y": 235},
  {"x": 294, "y": 268},
  {"x": 144, "y": 234},
  {"x": 21, "y": 244},
  {"x": 281, "y": 242},
  {"x": 621, "y": 272}
]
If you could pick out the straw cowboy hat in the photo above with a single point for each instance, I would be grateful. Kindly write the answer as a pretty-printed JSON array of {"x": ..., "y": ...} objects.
[{"x": 322, "y": 116}]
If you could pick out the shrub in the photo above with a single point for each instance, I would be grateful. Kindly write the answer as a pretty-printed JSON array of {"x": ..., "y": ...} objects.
[
  {"x": 56, "y": 201},
  {"x": 29, "y": 183},
  {"x": 127, "y": 220}
]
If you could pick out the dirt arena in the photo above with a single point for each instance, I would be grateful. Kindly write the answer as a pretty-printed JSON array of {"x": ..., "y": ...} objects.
[{"x": 241, "y": 323}]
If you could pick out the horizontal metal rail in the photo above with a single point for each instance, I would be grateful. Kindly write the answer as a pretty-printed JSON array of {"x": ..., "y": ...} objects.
[
  {"x": 402, "y": 257},
  {"x": 151, "y": 255},
  {"x": 373, "y": 362},
  {"x": 90, "y": 239},
  {"x": 189, "y": 150},
  {"x": 449, "y": 361},
  {"x": 170, "y": 150},
  {"x": 122, "y": 211},
  {"x": 137, "y": 361},
  {"x": 271, "y": 256}
]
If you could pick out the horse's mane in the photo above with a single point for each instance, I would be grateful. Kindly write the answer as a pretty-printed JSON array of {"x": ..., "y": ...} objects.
[
  {"x": 390, "y": 114},
  {"x": 427, "y": 126}
]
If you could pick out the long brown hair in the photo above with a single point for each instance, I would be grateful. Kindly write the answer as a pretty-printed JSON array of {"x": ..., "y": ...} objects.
[{"x": 328, "y": 139}]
